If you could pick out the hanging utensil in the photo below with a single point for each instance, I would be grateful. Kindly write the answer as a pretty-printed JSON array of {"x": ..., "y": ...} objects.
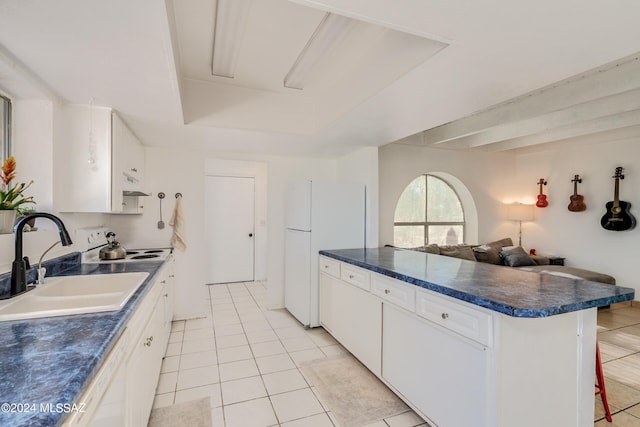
[{"x": 161, "y": 222}]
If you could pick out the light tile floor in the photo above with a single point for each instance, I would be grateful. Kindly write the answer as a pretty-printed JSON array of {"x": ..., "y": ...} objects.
[{"x": 246, "y": 359}]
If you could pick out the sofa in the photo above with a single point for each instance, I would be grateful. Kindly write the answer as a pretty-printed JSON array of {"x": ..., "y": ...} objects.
[{"x": 503, "y": 252}]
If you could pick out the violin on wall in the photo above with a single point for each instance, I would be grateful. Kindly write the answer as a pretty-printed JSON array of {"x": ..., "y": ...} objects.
[
  {"x": 618, "y": 217},
  {"x": 542, "y": 198},
  {"x": 576, "y": 200}
]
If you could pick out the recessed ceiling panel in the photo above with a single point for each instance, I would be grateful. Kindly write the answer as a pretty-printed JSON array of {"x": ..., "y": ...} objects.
[{"x": 363, "y": 61}]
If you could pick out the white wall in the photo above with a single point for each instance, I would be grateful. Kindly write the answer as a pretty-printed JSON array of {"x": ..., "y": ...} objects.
[
  {"x": 172, "y": 171},
  {"x": 175, "y": 170},
  {"x": 578, "y": 236},
  {"x": 487, "y": 176},
  {"x": 496, "y": 179}
]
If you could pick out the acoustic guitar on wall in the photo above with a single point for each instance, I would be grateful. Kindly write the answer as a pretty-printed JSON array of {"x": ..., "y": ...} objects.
[
  {"x": 617, "y": 217},
  {"x": 542, "y": 198},
  {"x": 576, "y": 200}
]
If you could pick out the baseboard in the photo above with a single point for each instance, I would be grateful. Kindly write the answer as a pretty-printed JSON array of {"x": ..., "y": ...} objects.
[{"x": 625, "y": 304}]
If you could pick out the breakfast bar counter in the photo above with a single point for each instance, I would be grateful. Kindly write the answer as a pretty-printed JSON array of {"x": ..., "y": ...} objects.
[
  {"x": 465, "y": 343},
  {"x": 502, "y": 289}
]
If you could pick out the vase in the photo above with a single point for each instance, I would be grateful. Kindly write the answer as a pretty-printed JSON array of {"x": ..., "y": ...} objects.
[{"x": 7, "y": 220}]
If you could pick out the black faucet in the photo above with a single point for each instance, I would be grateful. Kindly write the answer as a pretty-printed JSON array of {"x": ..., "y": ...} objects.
[{"x": 21, "y": 264}]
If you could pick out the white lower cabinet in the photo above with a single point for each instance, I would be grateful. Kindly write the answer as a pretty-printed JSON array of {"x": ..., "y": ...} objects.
[
  {"x": 417, "y": 357},
  {"x": 354, "y": 317},
  {"x": 458, "y": 364},
  {"x": 143, "y": 367},
  {"x": 147, "y": 351}
]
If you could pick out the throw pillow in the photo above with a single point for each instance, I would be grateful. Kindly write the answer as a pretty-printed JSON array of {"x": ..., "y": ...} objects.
[
  {"x": 516, "y": 257},
  {"x": 458, "y": 251},
  {"x": 488, "y": 254}
]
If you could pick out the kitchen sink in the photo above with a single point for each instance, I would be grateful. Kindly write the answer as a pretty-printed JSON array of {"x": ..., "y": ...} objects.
[{"x": 61, "y": 296}]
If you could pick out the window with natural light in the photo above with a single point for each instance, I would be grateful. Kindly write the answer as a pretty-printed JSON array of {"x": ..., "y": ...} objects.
[{"x": 428, "y": 211}]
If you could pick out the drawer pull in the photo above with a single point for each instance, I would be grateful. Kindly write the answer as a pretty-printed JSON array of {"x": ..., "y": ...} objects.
[
  {"x": 326, "y": 266},
  {"x": 351, "y": 276},
  {"x": 444, "y": 316},
  {"x": 387, "y": 291}
]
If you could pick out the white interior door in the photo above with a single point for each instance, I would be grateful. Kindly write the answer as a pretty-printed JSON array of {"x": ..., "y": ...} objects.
[{"x": 229, "y": 228}]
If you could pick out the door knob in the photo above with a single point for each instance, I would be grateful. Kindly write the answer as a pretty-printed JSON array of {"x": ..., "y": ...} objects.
[{"x": 250, "y": 234}]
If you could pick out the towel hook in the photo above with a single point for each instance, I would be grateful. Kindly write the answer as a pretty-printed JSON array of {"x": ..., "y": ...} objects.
[{"x": 178, "y": 195}]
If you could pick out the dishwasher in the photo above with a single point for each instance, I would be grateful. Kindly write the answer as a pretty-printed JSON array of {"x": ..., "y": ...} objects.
[{"x": 103, "y": 403}]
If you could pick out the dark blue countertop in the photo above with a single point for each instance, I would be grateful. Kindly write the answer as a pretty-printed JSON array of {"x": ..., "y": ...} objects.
[
  {"x": 52, "y": 360},
  {"x": 503, "y": 289}
]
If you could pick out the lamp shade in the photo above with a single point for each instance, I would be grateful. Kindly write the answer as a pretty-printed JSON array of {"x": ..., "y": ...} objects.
[{"x": 520, "y": 212}]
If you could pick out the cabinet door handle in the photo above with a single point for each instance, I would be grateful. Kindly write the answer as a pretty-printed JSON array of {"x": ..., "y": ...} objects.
[
  {"x": 147, "y": 343},
  {"x": 134, "y": 170},
  {"x": 444, "y": 316}
]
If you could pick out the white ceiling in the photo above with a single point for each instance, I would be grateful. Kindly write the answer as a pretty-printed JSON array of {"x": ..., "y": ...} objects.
[{"x": 151, "y": 61}]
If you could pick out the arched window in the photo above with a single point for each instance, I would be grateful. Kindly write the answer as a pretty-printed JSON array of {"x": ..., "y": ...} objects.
[{"x": 428, "y": 211}]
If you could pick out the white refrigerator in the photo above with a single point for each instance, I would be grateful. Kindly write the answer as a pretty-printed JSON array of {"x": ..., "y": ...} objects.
[{"x": 319, "y": 215}]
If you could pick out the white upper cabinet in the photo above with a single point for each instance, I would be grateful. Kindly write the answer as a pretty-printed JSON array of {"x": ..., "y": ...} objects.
[{"x": 95, "y": 159}]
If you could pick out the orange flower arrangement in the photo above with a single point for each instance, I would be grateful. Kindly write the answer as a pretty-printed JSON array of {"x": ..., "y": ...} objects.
[{"x": 12, "y": 197}]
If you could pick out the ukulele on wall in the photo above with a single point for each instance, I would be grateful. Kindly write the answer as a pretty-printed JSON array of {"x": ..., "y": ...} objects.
[
  {"x": 617, "y": 217},
  {"x": 542, "y": 198},
  {"x": 576, "y": 200}
]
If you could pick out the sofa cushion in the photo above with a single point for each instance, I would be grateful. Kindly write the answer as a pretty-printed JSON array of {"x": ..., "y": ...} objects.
[
  {"x": 516, "y": 257},
  {"x": 488, "y": 254},
  {"x": 572, "y": 272},
  {"x": 499, "y": 244},
  {"x": 429, "y": 249},
  {"x": 458, "y": 251}
]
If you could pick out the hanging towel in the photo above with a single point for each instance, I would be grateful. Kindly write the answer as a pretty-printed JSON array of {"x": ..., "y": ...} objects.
[{"x": 177, "y": 222}]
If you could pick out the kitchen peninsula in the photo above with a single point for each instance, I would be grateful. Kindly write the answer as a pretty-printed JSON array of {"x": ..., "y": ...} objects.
[{"x": 466, "y": 343}]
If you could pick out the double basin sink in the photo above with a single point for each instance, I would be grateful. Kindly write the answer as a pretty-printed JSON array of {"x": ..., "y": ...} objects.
[{"x": 61, "y": 296}]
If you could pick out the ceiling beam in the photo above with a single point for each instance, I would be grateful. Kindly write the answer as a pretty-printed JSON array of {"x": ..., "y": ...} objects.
[
  {"x": 599, "y": 125},
  {"x": 601, "y": 92},
  {"x": 575, "y": 115}
]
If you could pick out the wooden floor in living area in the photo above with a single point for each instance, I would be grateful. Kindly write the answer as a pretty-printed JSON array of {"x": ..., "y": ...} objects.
[{"x": 619, "y": 338}]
